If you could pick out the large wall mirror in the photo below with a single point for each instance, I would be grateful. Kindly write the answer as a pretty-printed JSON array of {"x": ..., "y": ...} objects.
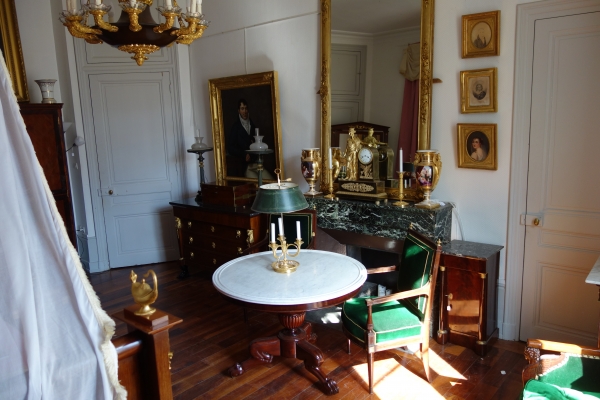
[
  {"x": 380, "y": 28},
  {"x": 10, "y": 45}
]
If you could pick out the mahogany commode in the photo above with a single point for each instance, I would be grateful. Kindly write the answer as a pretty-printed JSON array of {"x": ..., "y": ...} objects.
[{"x": 322, "y": 280}]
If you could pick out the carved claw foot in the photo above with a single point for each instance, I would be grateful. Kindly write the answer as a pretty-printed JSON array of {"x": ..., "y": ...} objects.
[{"x": 330, "y": 387}]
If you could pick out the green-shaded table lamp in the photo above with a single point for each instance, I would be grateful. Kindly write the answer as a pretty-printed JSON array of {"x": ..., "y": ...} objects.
[{"x": 279, "y": 198}]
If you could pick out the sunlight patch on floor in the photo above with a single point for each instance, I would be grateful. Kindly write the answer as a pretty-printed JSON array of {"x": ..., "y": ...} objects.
[{"x": 441, "y": 367}]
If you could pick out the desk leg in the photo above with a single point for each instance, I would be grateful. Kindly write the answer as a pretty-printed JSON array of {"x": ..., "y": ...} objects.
[
  {"x": 313, "y": 358},
  {"x": 261, "y": 352}
]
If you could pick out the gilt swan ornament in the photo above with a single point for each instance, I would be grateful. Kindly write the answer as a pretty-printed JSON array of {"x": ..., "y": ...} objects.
[{"x": 143, "y": 294}]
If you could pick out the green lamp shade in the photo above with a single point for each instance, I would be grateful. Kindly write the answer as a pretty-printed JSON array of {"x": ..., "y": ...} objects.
[{"x": 274, "y": 198}]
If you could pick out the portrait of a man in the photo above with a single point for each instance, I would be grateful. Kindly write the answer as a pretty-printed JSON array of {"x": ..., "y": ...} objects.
[{"x": 244, "y": 111}]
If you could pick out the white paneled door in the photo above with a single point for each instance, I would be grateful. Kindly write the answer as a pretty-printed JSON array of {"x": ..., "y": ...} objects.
[
  {"x": 562, "y": 236},
  {"x": 137, "y": 161}
]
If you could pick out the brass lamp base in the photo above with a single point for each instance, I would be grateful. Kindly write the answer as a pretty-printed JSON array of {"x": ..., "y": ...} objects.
[{"x": 285, "y": 266}]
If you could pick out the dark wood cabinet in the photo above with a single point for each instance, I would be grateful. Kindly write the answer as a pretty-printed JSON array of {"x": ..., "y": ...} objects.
[
  {"x": 210, "y": 235},
  {"x": 44, "y": 126},
  {"x": 468, "y": 306}
]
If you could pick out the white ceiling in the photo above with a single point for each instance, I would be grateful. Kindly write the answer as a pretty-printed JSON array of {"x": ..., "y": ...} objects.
[{"x": 374, "y": 16}]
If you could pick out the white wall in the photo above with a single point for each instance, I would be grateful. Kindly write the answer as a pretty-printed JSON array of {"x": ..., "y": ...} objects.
[
  {"x": 258, "y": 36},
  {"x": 481, "y": 196}
]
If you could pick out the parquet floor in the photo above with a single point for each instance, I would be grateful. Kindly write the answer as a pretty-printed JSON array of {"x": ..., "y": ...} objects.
[{"x": 214, "y": 336}]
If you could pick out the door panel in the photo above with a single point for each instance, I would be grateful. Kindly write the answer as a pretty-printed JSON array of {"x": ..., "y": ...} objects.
[
  {"x": 135, "y": 142},
  {"x": 557, "y": 304}
]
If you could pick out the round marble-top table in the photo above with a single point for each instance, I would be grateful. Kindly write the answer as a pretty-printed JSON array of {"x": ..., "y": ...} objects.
[{"x": 323, "y": 279}]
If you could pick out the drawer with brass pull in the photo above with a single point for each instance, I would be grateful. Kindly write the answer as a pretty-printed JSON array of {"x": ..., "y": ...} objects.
[
  {"x": 202, "y": 243},
  {"x": 206, "y": 259},
  {"x": 220, "y": 231}
]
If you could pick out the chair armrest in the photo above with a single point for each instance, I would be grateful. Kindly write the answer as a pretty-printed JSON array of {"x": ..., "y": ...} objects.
[
  {"x": 423, "y": 291},
  {"x": 380, "y": 270},
  {"x": 562, "y": 347}
]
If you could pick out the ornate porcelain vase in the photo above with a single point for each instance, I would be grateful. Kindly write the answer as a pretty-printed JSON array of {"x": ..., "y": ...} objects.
[
  {"x": 428, "y": 167},
  {"x": 310, "y": 162},
  {"x": 258, "y": 143},
  {"x": 47, "y": 88}
]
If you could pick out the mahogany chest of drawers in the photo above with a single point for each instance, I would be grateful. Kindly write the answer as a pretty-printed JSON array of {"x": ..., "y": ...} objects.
[
  {"x": 468, "y": 311},
  {"x": 210, "y": 235}
]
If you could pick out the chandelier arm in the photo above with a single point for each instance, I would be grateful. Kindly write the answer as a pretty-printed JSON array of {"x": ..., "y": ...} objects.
[
  {"x": 98, "y": 19},
  {"x": 188, "y": 39},
  {"x": 134, "y": 13},
  {"x": 189, "y": 30},
  {"x": 168, "y": 24}
]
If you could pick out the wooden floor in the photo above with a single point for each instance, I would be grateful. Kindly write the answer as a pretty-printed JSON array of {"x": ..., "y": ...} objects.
[{"x": 214, "y": 336}]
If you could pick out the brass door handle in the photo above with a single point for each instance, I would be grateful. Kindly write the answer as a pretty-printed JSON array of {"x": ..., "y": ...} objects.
[
  {"x": 191, "y": 240},
  {"x": 110, "y": 192},
  {"x": 536, "y": 221}
]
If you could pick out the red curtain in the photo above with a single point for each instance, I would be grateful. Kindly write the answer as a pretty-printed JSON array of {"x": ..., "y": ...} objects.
[{"x": 409, "y": 121}]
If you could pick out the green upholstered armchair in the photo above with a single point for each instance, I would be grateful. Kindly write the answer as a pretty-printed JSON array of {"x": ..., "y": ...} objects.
[
  {"x": 561, "y": 371},
  {"x": 402, "y": 318}
]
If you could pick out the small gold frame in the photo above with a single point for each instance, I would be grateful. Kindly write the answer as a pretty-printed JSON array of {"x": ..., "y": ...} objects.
[
  {"x": 468, "y": 155},
  {"x": 478, "y": 90},
  {"x": 481, "y": 34},
  {"x": 11, "y": 44}
]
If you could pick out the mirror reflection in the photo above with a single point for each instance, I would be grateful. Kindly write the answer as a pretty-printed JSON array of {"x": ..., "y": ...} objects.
[{"x": 368, "y": 43}]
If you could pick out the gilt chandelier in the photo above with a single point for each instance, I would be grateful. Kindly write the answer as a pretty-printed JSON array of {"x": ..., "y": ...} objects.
[{"x": 135, "y": 32}]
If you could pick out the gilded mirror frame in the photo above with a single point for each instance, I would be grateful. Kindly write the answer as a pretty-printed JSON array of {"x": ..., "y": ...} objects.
[
  {"x": 262, "y": 93},
  {"x": 425, "y": 80},
  {"x": 11, "y": 43}
]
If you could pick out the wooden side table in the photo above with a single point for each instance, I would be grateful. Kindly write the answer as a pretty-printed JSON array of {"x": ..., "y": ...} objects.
[{"x": 468, "y": 301}]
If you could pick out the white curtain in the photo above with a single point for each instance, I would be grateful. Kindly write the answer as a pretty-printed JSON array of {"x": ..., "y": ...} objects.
[{"x": 54, "y": 336}]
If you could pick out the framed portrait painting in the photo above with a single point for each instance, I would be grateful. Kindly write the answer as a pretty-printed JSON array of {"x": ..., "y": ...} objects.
[
  {"x": 242, "y": 106},
  {"x": 10, "y": 45},
  {"x": 478, "y": 90},
  {"x": 477, "y": 146},
  {"x": 481, "y": 34}
]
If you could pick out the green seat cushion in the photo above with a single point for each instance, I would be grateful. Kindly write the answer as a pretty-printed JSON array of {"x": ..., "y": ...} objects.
[
  {"x": 579, "y": 373},
  {"x": 536, "y": 390},
  {"x": 391, "y": 320}
]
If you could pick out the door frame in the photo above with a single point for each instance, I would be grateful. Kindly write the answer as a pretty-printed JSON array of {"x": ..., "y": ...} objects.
[
  {"x": 98, "y": 245},
  {"x": 527, "y": 15}
]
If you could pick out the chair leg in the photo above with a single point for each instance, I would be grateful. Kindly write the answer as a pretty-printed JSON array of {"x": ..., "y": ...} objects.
[
  {"x": 349, "y": 346},
  {"x": 425, "y": 359},
  {"x": 370, "y": 364}
]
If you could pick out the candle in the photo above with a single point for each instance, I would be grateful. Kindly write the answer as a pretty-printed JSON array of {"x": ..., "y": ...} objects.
[
  {"x": 280, "y": 226},
  {"x": 168, "y": 4},
  {"x": 199, "y": 6},
  {"x": 256, "y": 130},
  {"x": 400, "y": 164},
  {"x": 298, "y": 235},
  {"x": 98, "y": 2},
  {"x": 132, "y": 3},
  {"x": 330, "y": 158},
  {"x": 272, "y": 233}
]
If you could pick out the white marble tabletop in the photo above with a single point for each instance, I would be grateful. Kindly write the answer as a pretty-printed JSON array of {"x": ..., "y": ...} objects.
[
  {"x": 321, "y": 276},
  {"x": 594, "y": 275}
]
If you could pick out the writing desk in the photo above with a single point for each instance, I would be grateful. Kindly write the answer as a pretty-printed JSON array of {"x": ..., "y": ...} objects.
[{"x": 322, "y": 280}]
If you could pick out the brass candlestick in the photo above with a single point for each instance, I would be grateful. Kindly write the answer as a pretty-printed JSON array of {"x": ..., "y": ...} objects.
[
  {"x": 401, "y": 203},
  {"x": 330, "y": 196},
  {"x": 285, "y": 265}
]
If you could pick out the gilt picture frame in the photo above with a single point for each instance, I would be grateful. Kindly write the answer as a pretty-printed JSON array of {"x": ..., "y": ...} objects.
[
  {"x": 481, "y": 34},
  {"x": 477, "y": 148},
  {"x": 260, "y": 95},
  {"x": 10, "y": 46},
  {"x": 478, "y": 90}
]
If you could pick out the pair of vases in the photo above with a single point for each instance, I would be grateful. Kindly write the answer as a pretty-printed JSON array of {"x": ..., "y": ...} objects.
[{"x": 257, "y": 145}]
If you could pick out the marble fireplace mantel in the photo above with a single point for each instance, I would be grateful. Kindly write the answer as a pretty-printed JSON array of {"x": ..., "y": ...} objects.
[{"x": 383, "y": 221}]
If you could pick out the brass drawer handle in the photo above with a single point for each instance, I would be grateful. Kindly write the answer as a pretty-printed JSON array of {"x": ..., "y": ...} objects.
[
  {"x": 238, "y": 234},
  {"x": 191, "y": 240},
  {"x": 189, "y": 224},
  {"x": 214, "y": 261},
  {"x": 213, "y": 245},
  {"x": 240, "y": 251},
  {"x": 212, "y": 228},
  {"x": 191, "y": 254}
]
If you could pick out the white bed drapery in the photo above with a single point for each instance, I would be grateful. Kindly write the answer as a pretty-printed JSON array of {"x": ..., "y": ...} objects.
[{"x": 54, "y": 336}]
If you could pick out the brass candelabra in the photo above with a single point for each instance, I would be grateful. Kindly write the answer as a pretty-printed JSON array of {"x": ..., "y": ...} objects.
[
  {"x": 401, "y": 203},
  {"x": 330, "y": 196},
  {"x": 284, "y": 265}
]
